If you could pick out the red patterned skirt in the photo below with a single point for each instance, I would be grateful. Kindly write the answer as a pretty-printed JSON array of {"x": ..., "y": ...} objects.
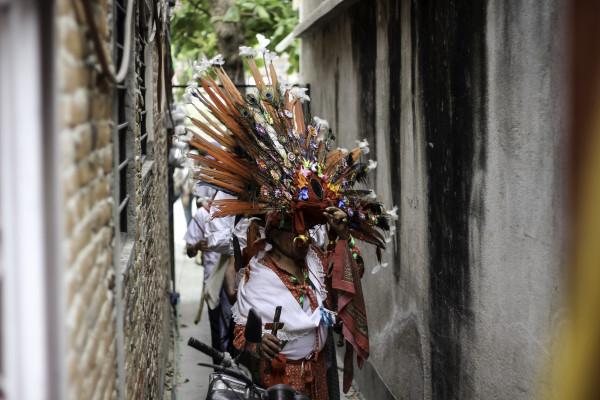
[{"x": 308, "y": 377}]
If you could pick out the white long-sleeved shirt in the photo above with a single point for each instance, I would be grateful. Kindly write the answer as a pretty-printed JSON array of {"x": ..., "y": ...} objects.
[
  {"x": 197, "y": 230},
  {"x": 219, "y": 240}
]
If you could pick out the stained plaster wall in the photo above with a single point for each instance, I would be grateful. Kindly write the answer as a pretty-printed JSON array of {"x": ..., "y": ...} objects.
[{"x": 462, "y": 103}]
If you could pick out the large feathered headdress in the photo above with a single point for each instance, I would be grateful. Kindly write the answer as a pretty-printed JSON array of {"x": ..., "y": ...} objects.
[{"x": 273, "y": 159}]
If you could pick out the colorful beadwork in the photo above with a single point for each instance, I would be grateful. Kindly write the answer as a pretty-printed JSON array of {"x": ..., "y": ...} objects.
[
  {"x": 362, "y": 217},
  {"x": 268, "y": 118},
  {"x": 264, "y": 192},
  {"x": 303, "y": 194},
  {"x": 261, "y": 165}
]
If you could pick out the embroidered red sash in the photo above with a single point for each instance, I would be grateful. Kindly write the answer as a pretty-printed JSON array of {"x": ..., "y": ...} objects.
[{"x": 351, "y": 309}]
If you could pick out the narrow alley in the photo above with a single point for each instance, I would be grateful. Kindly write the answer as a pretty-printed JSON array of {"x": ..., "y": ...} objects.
[{"x": 421, "y": 177}]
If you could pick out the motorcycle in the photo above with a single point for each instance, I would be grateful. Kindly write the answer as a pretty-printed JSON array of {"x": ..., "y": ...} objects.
[{"x": 232, "y": 380}]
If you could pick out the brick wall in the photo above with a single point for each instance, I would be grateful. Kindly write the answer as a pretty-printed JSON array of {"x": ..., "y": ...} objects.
[
  {"x": 116, "y": 295},
  {"x": 146, "y": 280}
]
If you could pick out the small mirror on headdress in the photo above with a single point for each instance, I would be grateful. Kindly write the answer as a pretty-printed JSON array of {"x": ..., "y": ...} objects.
[{"x": 317, "y": 188}]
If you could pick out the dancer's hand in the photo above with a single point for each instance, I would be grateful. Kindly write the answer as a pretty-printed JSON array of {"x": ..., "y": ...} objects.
[
  {"x": 191, "y": 250},
  {"x": 338, "y": 220},
  {"x": 269, "y": 346},
  {"x": 202, "y": 245}
]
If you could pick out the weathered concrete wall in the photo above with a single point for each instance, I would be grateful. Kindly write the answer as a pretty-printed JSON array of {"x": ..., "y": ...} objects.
[
  {"x": 116, "y": 294},
  {"x": 462, "y": 103}
]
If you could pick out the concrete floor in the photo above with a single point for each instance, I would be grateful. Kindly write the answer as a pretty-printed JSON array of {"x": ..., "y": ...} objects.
[{"x": 191, "y": 382}]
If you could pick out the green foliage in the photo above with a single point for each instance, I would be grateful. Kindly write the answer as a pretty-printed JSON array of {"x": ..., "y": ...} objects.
[{"x": 192, "y": 32}]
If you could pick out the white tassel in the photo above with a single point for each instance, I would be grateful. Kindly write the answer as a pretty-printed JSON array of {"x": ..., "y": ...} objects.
[
  {"x": 364, "y": 145},
  {"x": 218, "y": 60},
  {"x": 286, "y": 87},
  {"x": 378, "y": 267},
  {"x": 300, "y": 93},
  {"x": 343, "y": 150},
  {"x": 393, "y": 213},
  {"x": 371, "y": 196},
  {"x": 247, "y": 51},
  {"x": 180, "y": 130},
  {"x": 204, "y": 64},
  {"x": 271, "y": 56},
  {"x": 372, "y": 165},
  {"x": 391, "y": 233},
  {"x": 321, "y": 123},
  {"x": 180, "y": 112},
  {"x": 203, "y": 200},
  {"x": 194, "y": 65},
  {"x": 261, "y": 49},
  {"x": 187, "y": 97}
]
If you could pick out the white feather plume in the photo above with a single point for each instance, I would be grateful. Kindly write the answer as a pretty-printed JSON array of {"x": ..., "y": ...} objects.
[
  {"x": 180, "y": 130},
  {"x": 300, "y": 93},
  {"x": 285, "y": 86},
  {"x": 271, "y": 56},
  {"x": 371, "y": 196},
  {"x": 180, "y": 112},
  {"x": 378, "y": 267},
  {"x": 393, "y": 213},
  {"x": 247, "y": 51},
  {"x": 218, "y": 60},
  {"x": 205, "y": 64},
  {"x": 321, "y": 122},
  {"x": 187, "y": 97},
  {"x": 364, "y": 145}
]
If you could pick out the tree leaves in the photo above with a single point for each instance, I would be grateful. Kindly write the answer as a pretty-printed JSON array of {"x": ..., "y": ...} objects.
[
  {"x": 192, "y": 32},
  {"x": 263, "y": 14},
  {"x": 232, "y": 14}
]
